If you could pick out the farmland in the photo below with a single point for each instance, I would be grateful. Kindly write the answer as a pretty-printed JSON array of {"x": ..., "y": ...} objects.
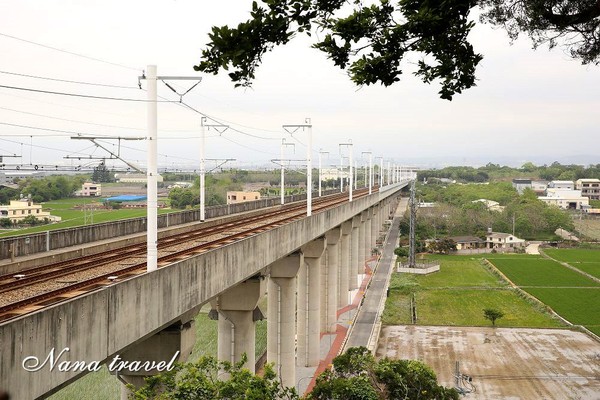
[
  {"x": 457, "y": 294},
  {"x": 538, "y": 271},
  {"x": 572, "y": 295}
]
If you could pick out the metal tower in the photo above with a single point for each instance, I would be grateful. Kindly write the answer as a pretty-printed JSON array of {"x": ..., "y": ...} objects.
[{"x": 413, "y": 220}]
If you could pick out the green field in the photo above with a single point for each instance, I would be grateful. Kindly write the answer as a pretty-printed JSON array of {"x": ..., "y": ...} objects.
[
  {"x": 541, "y": 272},
  {"x": 586, "y": 260},
  {"x": 72, "y": 217},
  {"x": 572, "y": 295},
  {"x": 457, "y": 295}
]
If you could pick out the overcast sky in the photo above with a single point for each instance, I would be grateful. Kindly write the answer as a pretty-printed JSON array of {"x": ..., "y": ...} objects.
[{"x": 528, "y": 105}]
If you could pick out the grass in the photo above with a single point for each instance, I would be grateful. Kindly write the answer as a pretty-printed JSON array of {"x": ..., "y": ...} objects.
[
  {"x": 105, "y": 386},
  {"x": 457, "y": 295},
  {"x": 578, "y": 306},
  {"x": 586, "y": 260},
  {"x": 72, "y": 217},
  {"x": 541, "y": 272},
  {"x": 465, "y": 308}
]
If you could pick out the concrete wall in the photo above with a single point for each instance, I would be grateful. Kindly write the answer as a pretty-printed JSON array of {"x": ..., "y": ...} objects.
[
  {"x": 24, "y": 245},
  {"x": 99, "y": 325}
]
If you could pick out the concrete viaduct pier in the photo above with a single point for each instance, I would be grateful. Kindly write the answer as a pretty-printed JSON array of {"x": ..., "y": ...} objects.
[{"x": 308, "y": 267}]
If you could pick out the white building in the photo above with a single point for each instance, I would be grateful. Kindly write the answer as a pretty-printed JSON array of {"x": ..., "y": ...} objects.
[
  {"x": 18, "y": 210},
  {"x": 590, "y": 188},
  {"x": 562, "y": 185},
  {"x": 499, "y": 240},
  {"x": 90, "y": 189},
  {"x": 565, "y": 199},
  {"x": 334, "y": 173},
  {"x": 490, "y": 204},
  {"x": 135, "y": 178}
]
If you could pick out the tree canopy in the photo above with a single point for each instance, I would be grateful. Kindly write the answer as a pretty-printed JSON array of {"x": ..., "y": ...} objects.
[{"x": 371, "y": 41}]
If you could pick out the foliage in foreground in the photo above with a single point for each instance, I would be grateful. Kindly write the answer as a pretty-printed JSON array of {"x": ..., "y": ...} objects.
[
  {"x": 356, "y": 375},
  {"x": 201, "y": 380}
]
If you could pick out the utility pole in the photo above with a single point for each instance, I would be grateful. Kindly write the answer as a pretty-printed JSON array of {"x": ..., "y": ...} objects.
[
  {"x": 282, "y": 191},
  {"x": 320, "y": 168},
  {"x": 341, "y": 173},
  {"x": 412, "y": 233},
  {"x": 370, "y": 170},
  {"x": 291, "y": 129},
  {"x": 350, "y": 162},
  {"x": 221, "y": 129},
  {"x": 380, "y": 172},
  {"x": 389, "y": 173},
  {"x": 152, "y": 161}
]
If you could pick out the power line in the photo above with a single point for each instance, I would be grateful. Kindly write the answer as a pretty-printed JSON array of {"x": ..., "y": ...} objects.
[
  {"x": 68, "y": 81},
  {"x": 82, "y": 95},
  {"x": 233, "y": 129},
  {"x": 69, "y": 52}
]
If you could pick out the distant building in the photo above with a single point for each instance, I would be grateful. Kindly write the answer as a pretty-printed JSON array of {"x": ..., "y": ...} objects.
[
  {"x": 333, "y": 173},
  {"x": 499, "y": 240},
  {"x": 539, "y": 187},
  {"x": 468, "y": 242},
  {"x": 8, "y": 178},
  {"x": 18, "y": 210},
  {"x": 490, "y": 204},
  {"x": 561, "y": 185},
  {"x": 240, "y": 197},
  {"x": 90, "y": 189},
  {"x": 135, "y": 178},
  {"x": 590, "y": 188},
  {"x": 565, "y": 199},
  {"x": 521, "y": 184}
]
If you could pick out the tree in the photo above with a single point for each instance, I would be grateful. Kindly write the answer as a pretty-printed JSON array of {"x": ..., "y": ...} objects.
[
  {"x": 200, "y": 380},
  {"x": 401, "y": 251},
  {"x": 371, "y": 41},
  {"x": 574, "y": 23},
  {"x": 492, "y": 314},
  {"x": 102, "y": 174},
  {"x": 356, "y": 375}
]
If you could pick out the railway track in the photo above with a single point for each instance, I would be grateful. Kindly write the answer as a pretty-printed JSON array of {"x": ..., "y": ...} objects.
[{"x": 169, "y": 247}]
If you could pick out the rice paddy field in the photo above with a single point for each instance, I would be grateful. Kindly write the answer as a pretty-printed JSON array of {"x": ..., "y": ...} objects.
[
  {"x": 571, "y": 294},
  {"x": 457, "y": 295}
]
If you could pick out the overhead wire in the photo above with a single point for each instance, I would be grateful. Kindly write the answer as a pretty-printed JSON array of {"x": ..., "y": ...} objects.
[
  {"x": 84, "y": 95},
  {"x": 69, "y": 52},
  {"x": 68, "y": 81}
]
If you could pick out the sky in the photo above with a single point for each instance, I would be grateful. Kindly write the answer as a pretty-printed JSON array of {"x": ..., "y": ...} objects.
[{"x": 528, "y": 105}]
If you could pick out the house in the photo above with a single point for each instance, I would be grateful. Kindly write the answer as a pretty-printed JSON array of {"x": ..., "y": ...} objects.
[
  {"x": 240, "y": 197},
  {"x": 135, "y": 178},
  {"x": 18, "y": 210},
  {"x": 561, "y": 185},
  {"x": 521, "y": 184},
  {"x": 467, "y": 242},
  {"x": 539, "y": 187},
  {"x": 565, "y": 199},
  {"x": 590, "y": 188},
  {"x": 90, "y": 189},
  {"x": 490, "y": 204},
  {"x": 499, "y": 240}
]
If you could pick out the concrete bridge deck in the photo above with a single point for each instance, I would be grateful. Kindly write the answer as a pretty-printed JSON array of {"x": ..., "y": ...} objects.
[{"x": 99, "y": 325}]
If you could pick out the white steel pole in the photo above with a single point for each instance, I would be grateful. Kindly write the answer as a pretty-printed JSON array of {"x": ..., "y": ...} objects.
[
  {"x": 350, "y": 175},
  {"x": 282, "y": 194},
  {"x": 389, "y": 178},
  {"x": 202, "y": 169},
  {"x": 341, "y": 172},
  {"x": 355, "y": 175},
  {"x": 381, "y": 174},
  {"x": 370, "y": 173},
  {"x": 319, "y": 173},
  {"x": 151, "y": 173},
  {"x": 309, "y": 171}
]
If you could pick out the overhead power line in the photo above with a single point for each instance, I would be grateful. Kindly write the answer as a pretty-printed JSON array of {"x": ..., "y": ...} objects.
[
  {"x": 82, "y": 95},
  {"x": 68, "y": 81},
  {"x": 69, "y": 52}
]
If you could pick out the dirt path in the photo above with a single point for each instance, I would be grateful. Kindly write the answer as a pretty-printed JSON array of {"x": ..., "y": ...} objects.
[{"x": 504, "y": 363}]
